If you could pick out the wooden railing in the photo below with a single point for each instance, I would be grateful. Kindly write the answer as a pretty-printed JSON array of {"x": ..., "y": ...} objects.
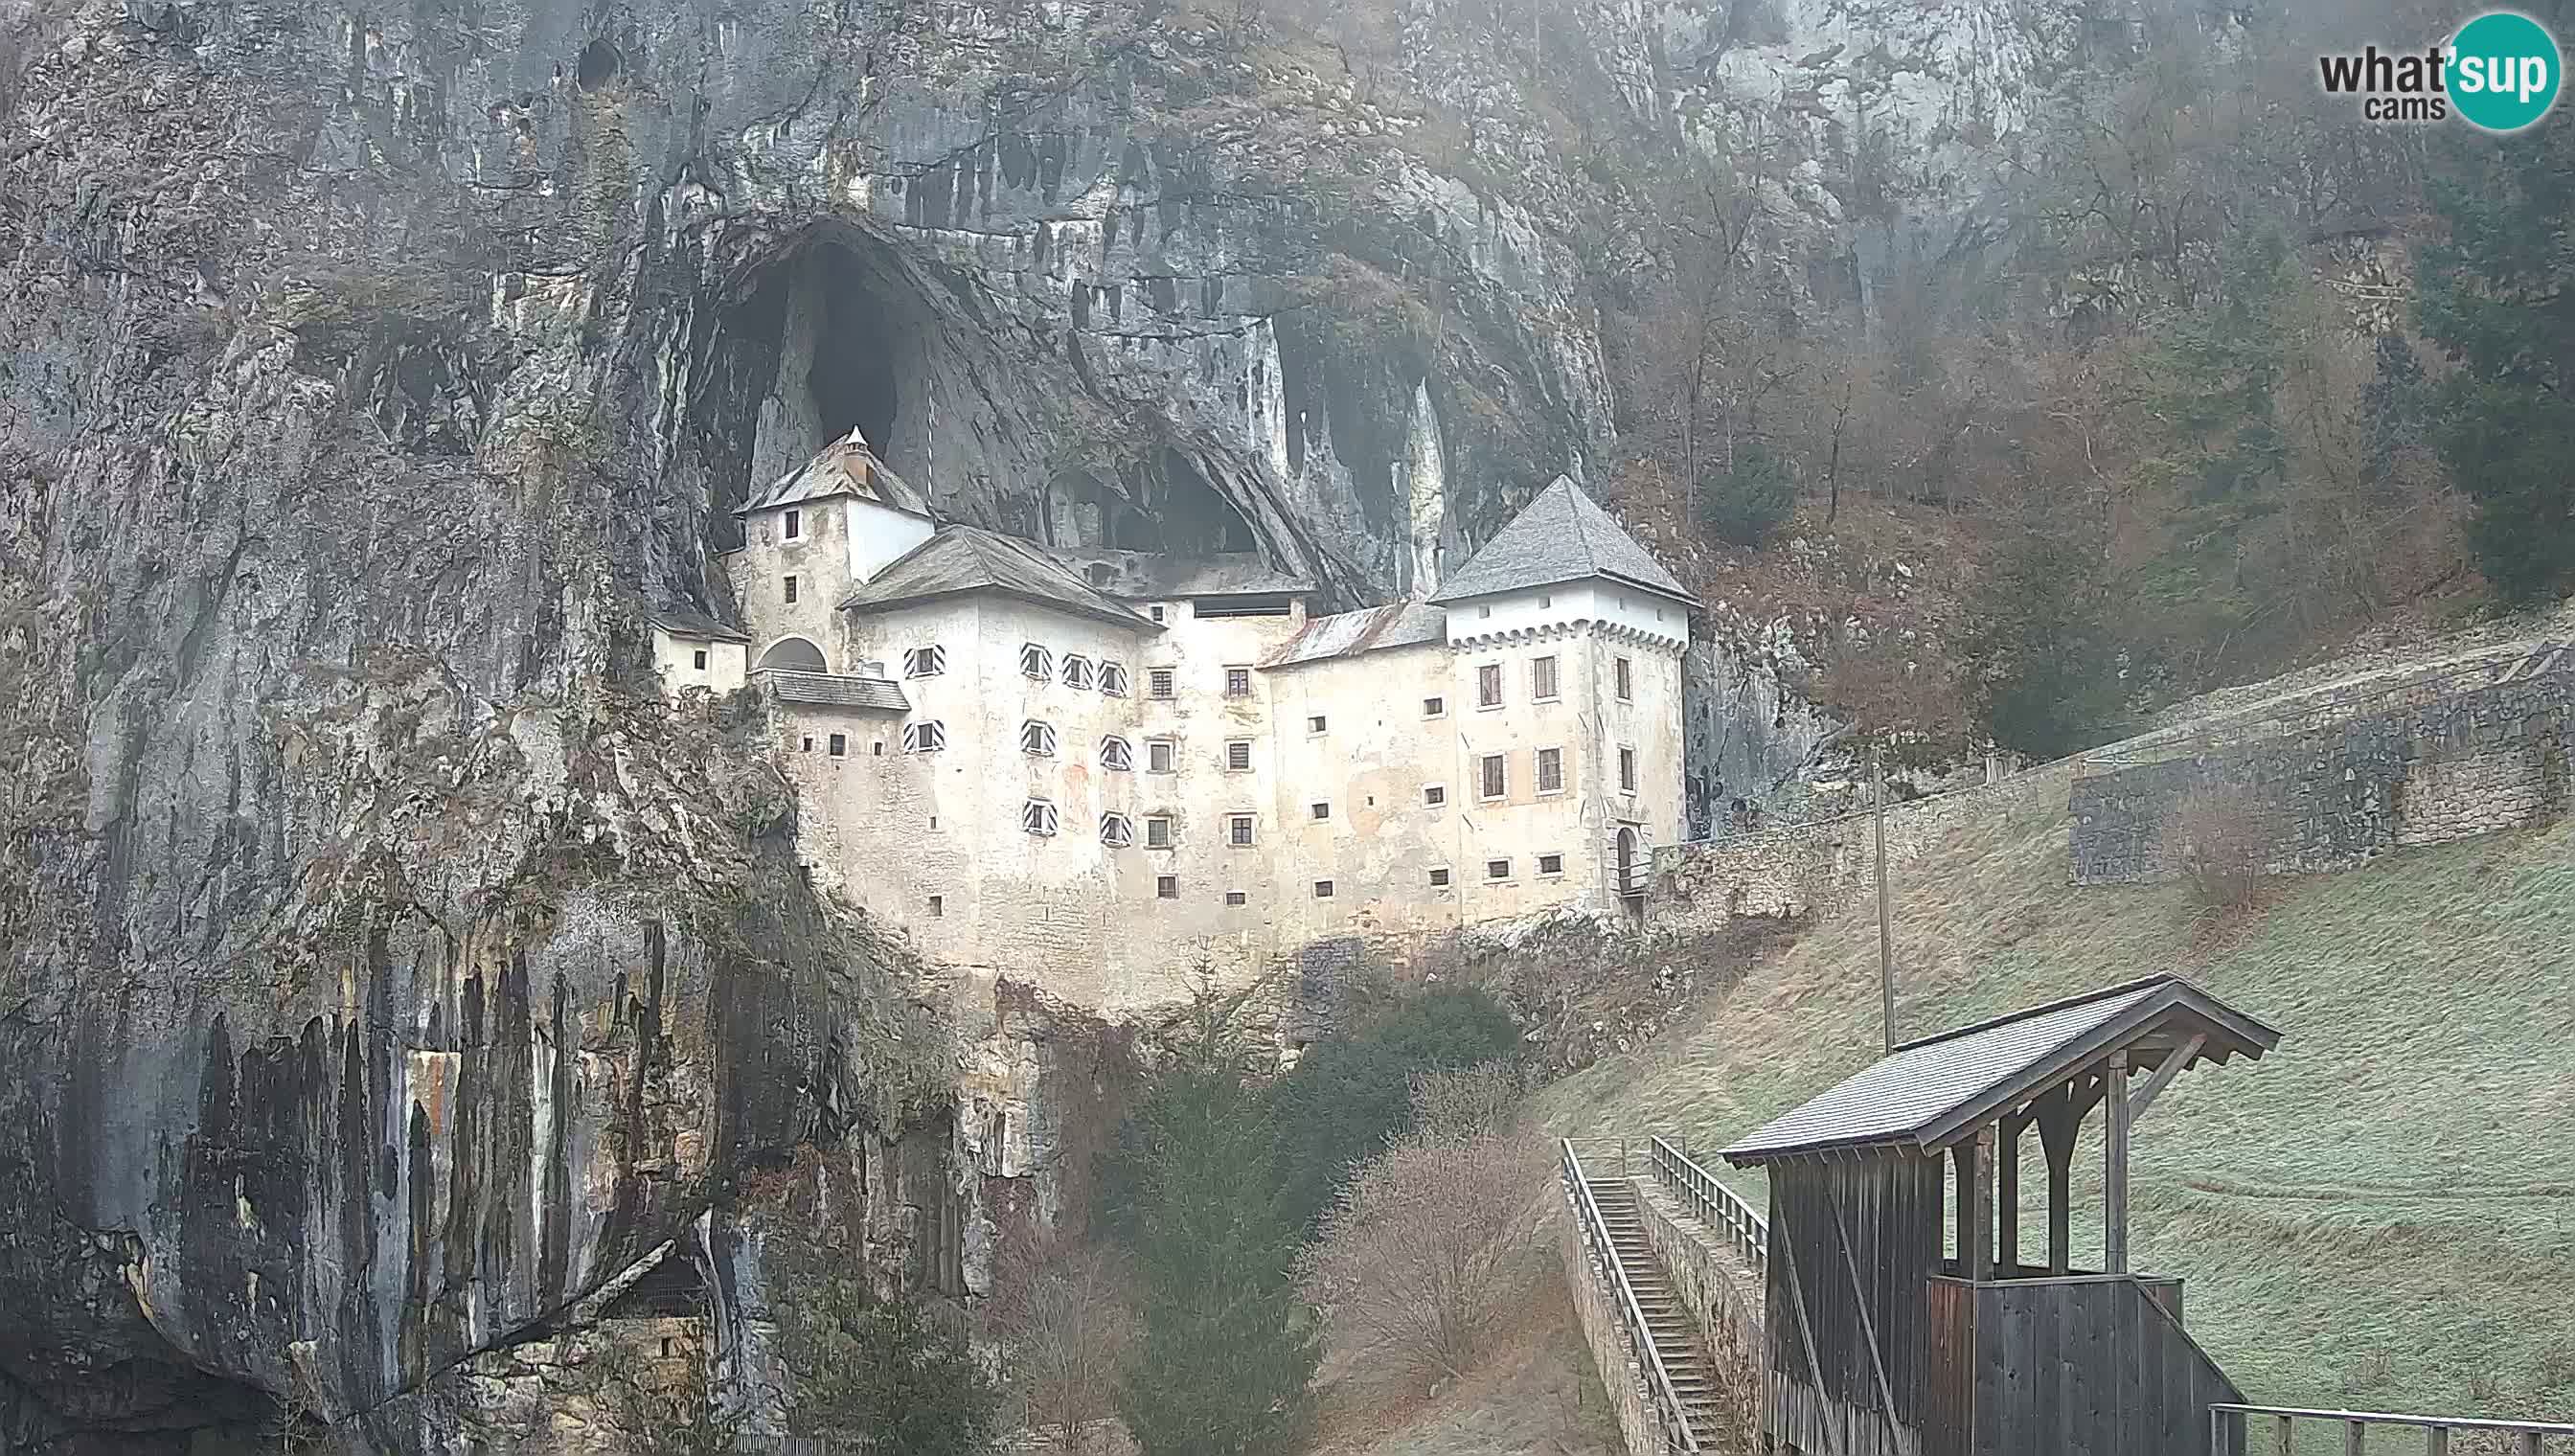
[
  {"x": 1717, "y": 1206},
  {"x": 1596, "y": 1237},
  {"x": 2231, "y": 1427}
]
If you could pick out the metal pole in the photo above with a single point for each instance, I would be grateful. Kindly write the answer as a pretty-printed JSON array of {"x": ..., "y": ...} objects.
[{"x": 1885, "y": 935}]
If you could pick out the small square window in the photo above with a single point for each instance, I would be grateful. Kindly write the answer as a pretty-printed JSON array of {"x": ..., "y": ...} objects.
[
  {"x": 1237, "y": 831},
  {"x": 1489, "y": 686},
  {"x": 1542, "y": 678},
  {"x": 1036, "y": 661},
  {"x": 1236, "y": 897},
  {"x": 937, "y": 906},
  {"x": 927, "y": 736},
  {"x": 791, "y": 590},
  {"x": 1156, "y": 609},
  {"x": 1323, "y": 889},
  {"x": 795, "y": 524},
  {"x": 840, "y": 745},
  {"x": 1626, "y": 771},
  {"x": 1322, "y": 810},
  {"x": 1076, "y": 671},
  {"x": 1036, "y": 739},
  {"x": 669, "y": 1346},
  {"x": 1237, "y": 756},
  {"x": 1116, "y": 831},
  {"x": 1438, "y": 878},
  {"x": 1497, "y": 870},
  {"x": 1622, "y": 672},
  {"x": 1315, "y": 724},
  {"x": 1159, "y": 755},
  {"x": 878, "y": 746},
  {"x": 1434, "y": 708},
  {"x": 926, "y": 662},
  {"x": 698, "y": 659},
  {"x": 1113, "y": 678},
  {"x": 808, "y": 743},
  {"x": 1160, "y": 680},
  {"x": 1157, "y": 832},
  {"x": 1551, "y": 864},
  {"x": 1237, "y": 681},
  {"x": 1038, "y": 816},
  {"x": 1166, "y": 887},
  {"x": 1545, "y": 599},
  {"x": 1484, "y": 612},
  {"x": 1493, "y": 781},
  {"x": 1434, "y": 794}
]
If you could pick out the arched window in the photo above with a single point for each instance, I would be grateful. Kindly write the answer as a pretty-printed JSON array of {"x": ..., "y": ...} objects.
[
  {"x": 1036, "y": 737},
  {"x": 927, "y": 736},
  {"x": 1116, "y": 832},
  {"x": 1115, "y": 754},
  {"x": 1036, "y": 661},
  {"x": 1038, "y": 816},
  {"x": 1076, "y": 671}
]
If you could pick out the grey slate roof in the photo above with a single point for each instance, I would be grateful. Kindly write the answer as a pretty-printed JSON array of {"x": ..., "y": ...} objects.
[
  {"x": 1928, "y": 1091},
  {"x": 1561, "y": 536},
  {"x": 961, "y": 559},
  {"x": 834, "y": 690},
  {"x": 689, "y": 621},
  {"x": 846, "y": 466},
  {"x": 1349, "y": 633},
  {"x": 1146, "y": 575}
]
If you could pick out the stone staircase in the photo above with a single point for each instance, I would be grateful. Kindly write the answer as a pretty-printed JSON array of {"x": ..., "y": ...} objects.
[{"x": 1695, "y": 1377}]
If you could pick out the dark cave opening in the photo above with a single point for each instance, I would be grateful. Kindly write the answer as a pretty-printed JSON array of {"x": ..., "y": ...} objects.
[{"x": 851, "y": 381}]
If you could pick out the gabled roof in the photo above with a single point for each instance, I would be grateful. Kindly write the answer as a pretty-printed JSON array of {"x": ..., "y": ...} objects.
[
  {"x": 1561, "y": 536},
  {"x": 689, "y": 621},
  {"x": 1929, "y": 1093},
  {"x": 1349, "y": 633},
  {"x": 846, "y": 466},
  {"x": 834, "y": 689},
  {"x": 1148, "y": 576},
  {"x": 957, "y": 559}
]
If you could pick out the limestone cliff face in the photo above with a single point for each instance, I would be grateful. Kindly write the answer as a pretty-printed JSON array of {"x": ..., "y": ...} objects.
[{"x": 384, "y": 969}]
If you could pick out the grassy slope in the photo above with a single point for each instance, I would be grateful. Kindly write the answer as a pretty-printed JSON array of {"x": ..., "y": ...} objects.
[{"x": 2381, "y": 1213}]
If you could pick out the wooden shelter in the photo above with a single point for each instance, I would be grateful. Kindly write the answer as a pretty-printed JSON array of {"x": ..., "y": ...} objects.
[{"x": 1882, "y": 1345}]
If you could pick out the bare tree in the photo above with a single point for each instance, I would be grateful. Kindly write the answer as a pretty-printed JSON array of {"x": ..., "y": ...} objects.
[
  {"x": 1437, "y": 1241},
  {"x": 2221, "y": 846},
  {"x": 1065, "y": 1323}
]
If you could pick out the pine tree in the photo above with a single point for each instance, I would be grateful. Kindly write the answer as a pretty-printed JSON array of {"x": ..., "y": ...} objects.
[{"x": 2499, "y": 296}]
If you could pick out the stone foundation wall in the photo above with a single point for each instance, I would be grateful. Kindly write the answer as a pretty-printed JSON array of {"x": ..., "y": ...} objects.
[
  {"x": 1595, "y": 1308},
  {"x": 2474, "y": 761},
  {"x": 1723, "y": 1300}
]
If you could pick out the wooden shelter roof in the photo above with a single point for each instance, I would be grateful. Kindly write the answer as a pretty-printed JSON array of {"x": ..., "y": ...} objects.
[{"x": 1929, "y": 1093}]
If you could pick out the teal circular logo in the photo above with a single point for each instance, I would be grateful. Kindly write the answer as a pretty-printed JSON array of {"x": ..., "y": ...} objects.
[{"x": 2503, "y": 71}]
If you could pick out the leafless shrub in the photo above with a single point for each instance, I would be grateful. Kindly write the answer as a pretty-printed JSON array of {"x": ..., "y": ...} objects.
[
  {"x": 1436, "y": 1242},
  {"x": 1065, "y": 1323},
  {"x": 2221, "y": 846}
]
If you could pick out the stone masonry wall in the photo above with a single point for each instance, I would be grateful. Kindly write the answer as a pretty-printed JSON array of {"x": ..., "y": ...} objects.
[
  {"x": 1595, "y": 1310},
  {"x": 2472, "y": 762}
]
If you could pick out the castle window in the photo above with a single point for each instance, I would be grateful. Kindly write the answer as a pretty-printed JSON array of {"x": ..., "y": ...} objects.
[
  {"x": 1156, "y": 609},
  {"x": 791, "y": 590},
  {"x": 1157, "y": 832},
  {"x": 926, "y": 662},
  {"x": 840, "y": 745},
  {"x": 1551, "y": 864},
  {"x": 1434, "y": 794},
  {"x": 1036, "y": 739},
  {"x": 1038, "y": 816},
  {"x": 1489, "y": 686},
  {"x": 698, "y": 659},
  {"x": 1440, "y": 880},
  {"x": 1076, "y": 671},
  {"x": 1491, "y": 782},
  {"x": 937, "y": 906},
  {"x": 1545, "y": 599},
  {"x": 1624, "y": 675},
  {"x": 795, "y": 524},
  {"x": 927, "y": 736},
  {"x": 1543, "y": 680},
  {"x": 1160, "y": 755},
  {"x": 1484, "y": 612},
  {"x": 1236, "y": 897},
  {"x": 1550, "y": 770},
  {"x": 1116, "y": 832},
  {"x": 1322, "y": 810},
  {"x": 1315, "y": 724},
  {"x": 1237, "y": 831},
  {"x": 1323, "y": 889},
  {"x": 1237, "y": 756},
  {"x": 1160, "y": 680},
  {"x": 1036, "y": 661},
  {"x": 1237, "y": 681},
  {"x": 879, "y": 748},
  {"x": 1497, "y": 870},
  {"x": 1166, "y": 887},
  {"x": 1113, "y": 678},
  {"x": 808, "y": 743},
  {"x": 1115, "y": 754},
  {"x": 1626, "y": 771},
  {"x": 1434, "y": 708}
]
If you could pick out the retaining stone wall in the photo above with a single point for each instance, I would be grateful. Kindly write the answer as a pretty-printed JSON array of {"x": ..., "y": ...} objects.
[{"x": 1595, "y": 1308}]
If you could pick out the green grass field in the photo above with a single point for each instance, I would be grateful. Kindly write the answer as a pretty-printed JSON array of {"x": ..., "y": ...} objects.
[{"x": 2380, "y": 1214}]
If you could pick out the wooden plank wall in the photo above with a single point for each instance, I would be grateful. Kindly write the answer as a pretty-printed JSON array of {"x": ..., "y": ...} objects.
[
  {"x": 1853, "y": 1242},
  {"x": 2091, "y": 1367}
]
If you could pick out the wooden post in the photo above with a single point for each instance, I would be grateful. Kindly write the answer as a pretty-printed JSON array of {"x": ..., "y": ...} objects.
[
  {"x": 1885, "y": 935},
  {"x": 1962, "y": 1157},
  {"x": 2058, "y": 1119},
  {"x": 1981, "y": 1262},
  {"x": 2114, "y": 1170},
  {"x": 2007, "y": 1197}
]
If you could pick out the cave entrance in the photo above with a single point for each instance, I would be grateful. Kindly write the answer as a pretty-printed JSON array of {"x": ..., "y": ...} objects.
[
  {"x": 849, "y": 379},
  {"x": 845, "y": 328}
]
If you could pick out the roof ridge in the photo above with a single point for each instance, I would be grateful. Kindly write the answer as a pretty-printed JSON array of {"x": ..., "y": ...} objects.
[{"x": 2028, "y": 1014}]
